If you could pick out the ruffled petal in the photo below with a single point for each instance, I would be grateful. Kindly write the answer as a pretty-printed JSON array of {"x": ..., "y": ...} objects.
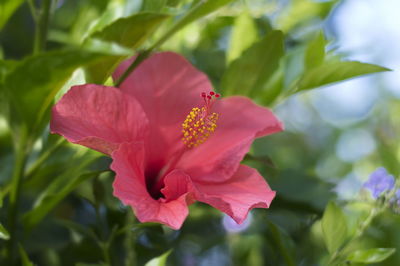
[
  {"x": 130, "y": 187},
  {"x": 246, "y": 190},
  {"x": 240, "y": 122},
  {"x": 98, "y": 117},
  {"x": 168, "y": 87}
]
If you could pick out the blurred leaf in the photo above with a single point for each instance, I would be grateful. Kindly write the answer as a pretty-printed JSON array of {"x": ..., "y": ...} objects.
[
  {"x": 283, "y": 243},
  {"x": 5, "y": 67},
  {"x": 273, "y": 88},
  {"x": 252, "y": 70},
  {"x": 243, "y": 35},
  {"x": 173, "y": 3},
  {"x": 334, "y": 72},
  {"x": 334, "y": 227},
  {"x": 78, "y": 228},
  {"x": 302, "y": 11},
  {"x": 91, "y": 264},
  {"x": 264, "y": 159},
  {"x": 98, "y": 190},
  {"x": 57, "y": 191},
  {"x": 159, "y": 261},
  {"x": 7, "y": 8},
  {"x": 387, "y": 150},
  {"x": 33, "y": 83},
  {"x": 201, "y": 9},
  {"x": 4, "y": 233},
  {"x": 129, "y": 32},
  {"x": 153, "y": 5},
  {"x": 24, "y": 257},
  {"x": 315, "y": 52},
  {"x": 373, "y": 255}
]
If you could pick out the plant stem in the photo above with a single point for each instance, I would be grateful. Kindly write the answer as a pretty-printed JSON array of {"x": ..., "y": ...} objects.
[
  {"x": 106, "y": 253},
  {"x": 139, "y": 59},
  {"x": 20, "y": 151},
  {"x": 42, "y": 27},
  {"x": 129, "y": 241}
]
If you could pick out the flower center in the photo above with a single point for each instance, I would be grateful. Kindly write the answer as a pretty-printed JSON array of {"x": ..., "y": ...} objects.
[{"x": 200, "y": 123}]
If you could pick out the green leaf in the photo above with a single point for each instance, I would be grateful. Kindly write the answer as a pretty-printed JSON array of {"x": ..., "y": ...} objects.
[
  {"x": 315, "y": 52},
  {"x": 201, "y": 9},
  {"x": 7, "y": 8},
  {"x": 153, "y": 5},
  {"x": 252, "y": 70},
  {"x": 273, "y": 88},
  {"x": 159, "y": 261},
  {"x": 129, "y": 32},
  {"x": 24, "y": 257},
  {"x": 334, "y": 227},
  {"x": 334, "y": 72},
  {"x": 283, "y": 244},
  {"x": 4, "y": 233},
  {"x": 59, "y": 189},
  {"x": 302, "y": 11},
  {"x": 173, "y": 3},
  {"x": 243, "y": 35},
  {"x": 31, "y": 86},
  {"x": 5, "y": 67},
  {"x": 373, "y": 255}
]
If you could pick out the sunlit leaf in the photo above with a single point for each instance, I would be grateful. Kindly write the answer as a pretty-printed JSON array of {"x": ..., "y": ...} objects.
[
  {"x": 201, "y": 9},
  {"x": 159, "y": 261},
  {"x": 243, "y": 35},
  {"x": 372, "y": 255},
  {"x": 129, "y": 32},
  {"x": 302, "y": 11},
  {"x": 255, "y": 66},
  {"x": 334, "y": 227},
  {"x": 332, "y": 72},
  {"x": 7, "y": 8},
  {"x": 315, "y": 52},
  {"x": 4, "y": 233}
]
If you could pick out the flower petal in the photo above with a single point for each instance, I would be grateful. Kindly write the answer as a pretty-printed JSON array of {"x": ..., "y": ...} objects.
[
  {"x": 246, "y": 190},
  {"x": 130, "y": 187},
  {"x": 98, "y": 117},
  {"x": 168, "y": 87},
  {"x": 240, "y": 122}
]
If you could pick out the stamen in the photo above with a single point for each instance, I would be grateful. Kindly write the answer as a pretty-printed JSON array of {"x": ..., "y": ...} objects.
[{"x": 200, "y": 123}]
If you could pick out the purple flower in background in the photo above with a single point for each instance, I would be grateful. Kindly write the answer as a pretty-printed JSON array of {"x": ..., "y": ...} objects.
[
  {"x": 232, "y": 227},
  {"x": 379, "y": 182},
  {"x": 397, "y": 197}
]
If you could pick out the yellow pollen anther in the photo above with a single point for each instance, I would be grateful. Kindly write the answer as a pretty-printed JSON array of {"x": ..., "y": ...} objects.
[{"x": 198, "y": 126}]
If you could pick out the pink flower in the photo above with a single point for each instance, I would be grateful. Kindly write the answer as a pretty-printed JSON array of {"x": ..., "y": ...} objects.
[{"x": 172, "y": 140}]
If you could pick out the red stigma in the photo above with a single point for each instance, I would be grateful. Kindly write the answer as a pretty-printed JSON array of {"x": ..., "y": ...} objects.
[
  {"x": 203, "y": 94},
  {"x": 212, "y": 93},
  {"x": 209, "y": 97},
  {"x": 217, "y": 95}
]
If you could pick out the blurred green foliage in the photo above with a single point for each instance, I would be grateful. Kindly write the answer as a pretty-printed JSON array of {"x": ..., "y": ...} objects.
[{"x": 56, "y": 199}]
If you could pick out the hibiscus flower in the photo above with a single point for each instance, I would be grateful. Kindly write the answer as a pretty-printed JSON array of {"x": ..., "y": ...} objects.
[{"x": 173, "y": 140}]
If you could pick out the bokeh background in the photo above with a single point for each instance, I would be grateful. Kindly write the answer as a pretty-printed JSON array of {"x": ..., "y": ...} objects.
[{"x": 335, "y": 137}]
